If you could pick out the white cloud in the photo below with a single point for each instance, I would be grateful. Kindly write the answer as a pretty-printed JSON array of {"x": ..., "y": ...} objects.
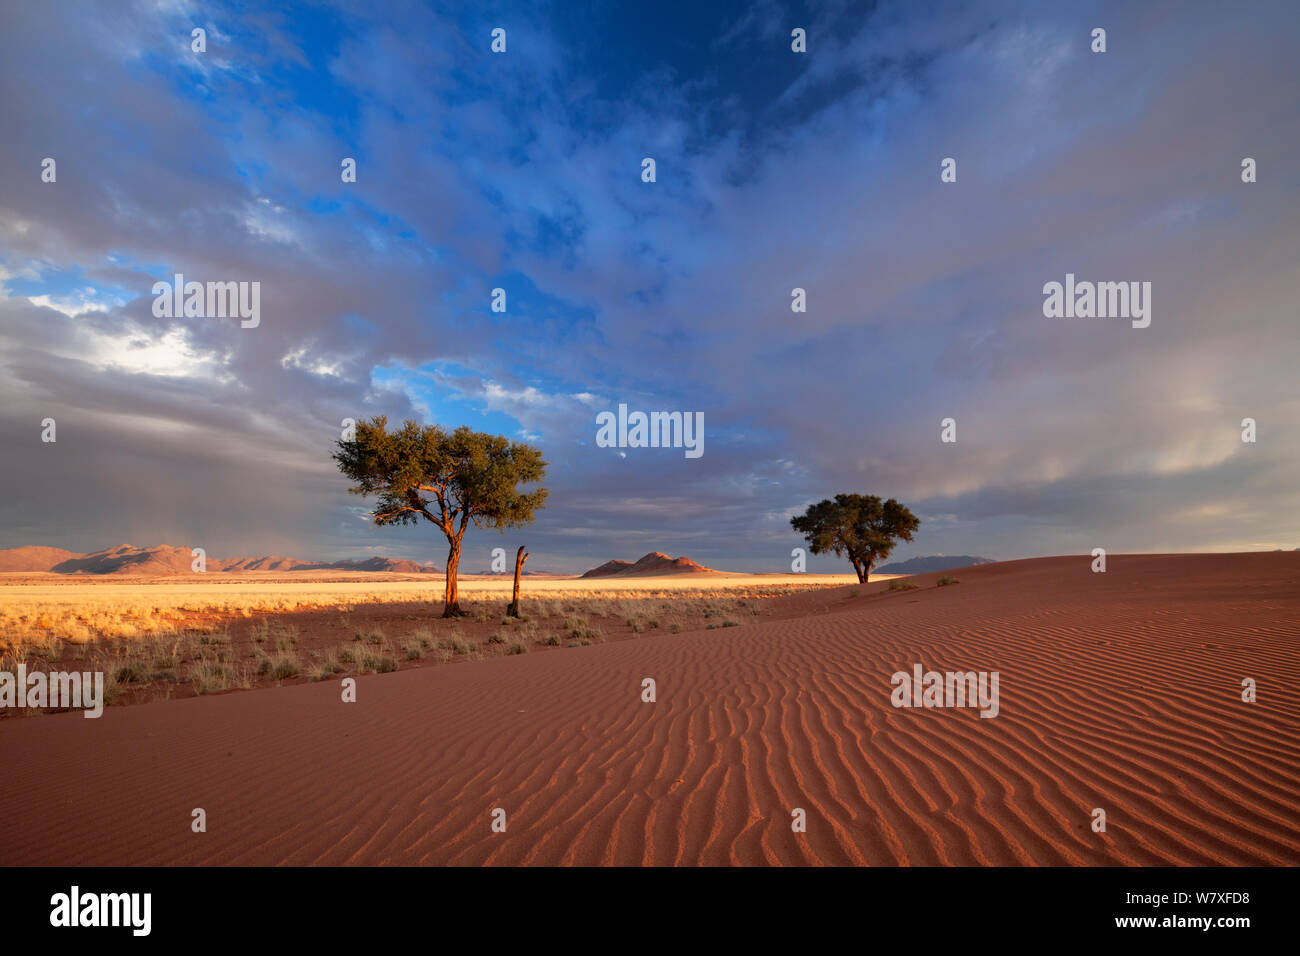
[{"x": 78, "y": 302}]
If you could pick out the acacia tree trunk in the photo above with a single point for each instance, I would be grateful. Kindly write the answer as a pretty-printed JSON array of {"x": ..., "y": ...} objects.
[
  {"x": 520, "y": 558},
  {"x": 452, "y": 602},
  {"x": 857, "y": 568}
]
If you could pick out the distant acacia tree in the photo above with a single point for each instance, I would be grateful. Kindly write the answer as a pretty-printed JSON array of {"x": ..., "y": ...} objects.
[
  {"x": 450, "y": 479},
  {"x": 860, "y": 526}
]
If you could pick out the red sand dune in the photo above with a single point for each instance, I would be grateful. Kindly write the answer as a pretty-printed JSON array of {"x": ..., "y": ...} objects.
[
  {"x": 652, "y": 564},
  {"x": 1118, "y": 690}
]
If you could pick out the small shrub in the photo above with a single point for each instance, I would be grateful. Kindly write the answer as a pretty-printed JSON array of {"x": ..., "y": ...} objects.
[
  {"x": 457, "y": 644},
  {"x": 112, "y": 689},
  {"x": 209, "y": 676},
  {"x": 282, "y": 635},
  {"x": 131, "y": 674},
  {"x": 280, "y": 667},
  {"x": 901, "y": 586},
  {"x": 946, "y": 580},
  {"x": 319, "y": 672},
  {"x": 325, "y": 667},
  {"x": 366, "y": 659}
]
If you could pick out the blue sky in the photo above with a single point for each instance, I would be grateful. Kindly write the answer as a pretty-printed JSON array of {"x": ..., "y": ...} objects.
[{"x": 775, "y": 170}]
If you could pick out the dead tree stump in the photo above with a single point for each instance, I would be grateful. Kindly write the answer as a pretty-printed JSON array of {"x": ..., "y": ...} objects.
[{"x": 520, "y": 558}]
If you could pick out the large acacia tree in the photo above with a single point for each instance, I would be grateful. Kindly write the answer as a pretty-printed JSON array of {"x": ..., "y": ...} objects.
[
  {"x": 450, "y": 479},
  {"x": 860, "y": 526}
]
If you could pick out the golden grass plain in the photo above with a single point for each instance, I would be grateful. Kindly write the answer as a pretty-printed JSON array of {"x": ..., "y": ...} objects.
[
  {"x": 38, "y": 608},
  {"x": 156, "y": 639}
]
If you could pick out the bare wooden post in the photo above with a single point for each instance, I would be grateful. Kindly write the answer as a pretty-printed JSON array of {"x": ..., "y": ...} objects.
[{"x": 520, "y": 558}]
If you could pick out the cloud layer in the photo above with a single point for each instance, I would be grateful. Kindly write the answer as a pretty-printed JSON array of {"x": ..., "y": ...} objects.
[{"x": 775, "y": 170}]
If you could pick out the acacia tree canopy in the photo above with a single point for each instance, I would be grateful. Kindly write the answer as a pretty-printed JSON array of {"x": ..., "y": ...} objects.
[
  {"x": 451, "y": 479},
  {"x": 860, "y": 526}
]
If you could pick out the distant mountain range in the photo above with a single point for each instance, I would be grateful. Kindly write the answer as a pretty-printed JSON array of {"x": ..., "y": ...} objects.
[
  {"x": 653, "y": 564},
  {"x": 932, "y": 562},
  {"x": 127, "y": 559},
  {"x": 164, "y": 560}
]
